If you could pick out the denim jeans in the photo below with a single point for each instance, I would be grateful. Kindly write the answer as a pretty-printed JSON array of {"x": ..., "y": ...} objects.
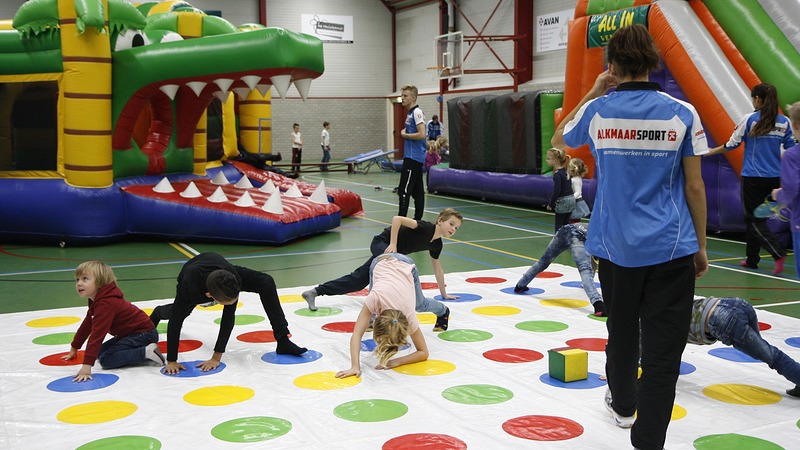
[
  {"x": 126, "y": 350},
  {"x": 572, "y": 237},
  {"x": 423, "y": 304},
  {"x": 734, "y": 323}
]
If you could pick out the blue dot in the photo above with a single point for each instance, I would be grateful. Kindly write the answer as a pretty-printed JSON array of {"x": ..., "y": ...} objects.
[
  {"x": 591, "y": 382},
  {"x": 794, "y": 342},
  {"x": 193, "y": 371},
  {"x": 731, "y": 354},
  {"x": 461, "y": 297},
  {"x": 577, "y": 284},
  {"x": 98, "y": 381},
  {"x": 274, "y": 358},
  {"x": 530, "y": 291}
]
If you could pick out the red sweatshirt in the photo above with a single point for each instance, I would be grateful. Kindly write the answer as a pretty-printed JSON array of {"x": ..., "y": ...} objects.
[{"x": 109, "y": 313}]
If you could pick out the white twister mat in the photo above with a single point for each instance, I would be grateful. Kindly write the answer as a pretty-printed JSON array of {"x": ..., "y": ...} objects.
[{"x": 485, "y": 386}]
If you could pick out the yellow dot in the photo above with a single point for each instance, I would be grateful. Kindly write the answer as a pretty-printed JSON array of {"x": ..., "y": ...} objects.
[
  {"x": 218, "y": 395},
  {"x": 678, "y": 412},
  {"x": 56, "y": 321},
  {"x": 148, "y": 311},
  {"x": 219, "y": 307},
  {"x": 325, "y": 381},
  {"x": 96, "y": 412},
  {"x": 564, "y": 303},
  {"x": 426, "y": 368},
  {"x": 741, "y": 394},
  {"x": 426, "y": 318},
  {"x": 497, "y": 310},
  {"x": 291, "y": 298}
]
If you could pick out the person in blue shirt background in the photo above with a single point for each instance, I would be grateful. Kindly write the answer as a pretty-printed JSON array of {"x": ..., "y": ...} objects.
[{"x": 434, "y": 128}]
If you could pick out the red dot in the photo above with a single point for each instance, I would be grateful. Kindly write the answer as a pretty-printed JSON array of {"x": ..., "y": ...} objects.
[
  {"x": 424, "y": 441},
  {"x": 428, "y": 285},
  {"x": 763, "y": 326},
  {"x": 361, "y": 293},
  {"x": 513, "y": 355},
  {"x": 185, "y": 345},
  {"x": 589, "y": 344},
  {"x": 55, "y": 360},
  {"x": 543, "y": 428},
  {"x": 257, "y": 337},
  {"x": 339, "y": 327},
  {"x": 546, "y": 274},
  {"x": 486, "y": 280}
]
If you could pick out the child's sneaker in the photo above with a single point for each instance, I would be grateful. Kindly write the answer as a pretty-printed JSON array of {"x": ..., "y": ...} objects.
[
  {"x": 620, "y": 421},
  {"x": 747, "y": 265},
  {"x": 310, "y": 297},
  {"x": 520, "y": 289},
  {"x": 599, "y": 308},
  {"x": 779, "y": 265},
  {"x": 153, "y": 353},
  {"x": 442, "y": 321}
]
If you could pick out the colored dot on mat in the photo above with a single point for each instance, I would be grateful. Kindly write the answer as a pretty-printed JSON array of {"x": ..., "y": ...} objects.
[
  {"x": 251, "y": 429},
  {"x": 542, "y": 326},
  {"x": 339, "y": 327},
  {"x": 375, "y": 410},
  {"x": 547, "y": 274},
  {"x": 424, "y": 441},
  {"x": 425, "y": 285},
  {"x": 243, "y": 319},
  {"x": 485, "y": 280},
  {"x": 598, "y": 318},
  {"x": 55, "y": 339},
  {"x": 362, "y": 293},
  {"x": 686, "y": 368},
  {"x": 577, "y": 284},
  {"x": 305, "y": 357},
  {"x": 465, "y": 335},
  {"x": 55, "y": 360},
  {"x": 794, "y": 342},
  {"x": 592, "y": 381},
  {"x": 325, "y": 381},
  {"x": 218, "y": 395},
  {"x": 543, "y": 428},
  {"x": 368, "y": 345},
  {"x": 462, "y": 297},
  {"x": 497, "y": 310},
  {"x": 291, "y": 298},
  {"x": 530, "y": 291},
  {"x": 741, "y": 394},
  {"x": 147, "y": 311},
  {"x": 219, "y": 307},
  {"x": 57, "y": 321},
  {"x": 322, "y": 311},
  {"x": 98, "y": 381},
  {"x": 589, "y": 344},
  {"x": 426, "y": 318},
  {"x": 192, "y": 370},
  {"x": 426, "y": 368},
  {"x": 513, "y": 355},
  {"x": 763, "y": 326},
  {"x": 678, "y": 412},
  {"x": 733, "y": 441},
  {"x": 184, "y": 345},
  {"x": 257, "y": 337},
  {"x": 477, "y": 394},
  {"x": 731, "y": 354},
  {"x": 564, "y": 302},
  {"x": 130, "y": 442},
  {"x": 162, "y": 328},
  {"x": 96, "y": 412}
]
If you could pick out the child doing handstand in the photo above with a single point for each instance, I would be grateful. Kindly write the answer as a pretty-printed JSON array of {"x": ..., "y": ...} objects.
[
  {"x": 135, "y": 338},
  {"x": 395, "y": 296}
]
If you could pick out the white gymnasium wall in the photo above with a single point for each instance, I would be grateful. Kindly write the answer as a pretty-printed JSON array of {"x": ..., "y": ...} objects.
[
  {"x": 548, "y": 67},
  {"x": 8, "y": 8}
]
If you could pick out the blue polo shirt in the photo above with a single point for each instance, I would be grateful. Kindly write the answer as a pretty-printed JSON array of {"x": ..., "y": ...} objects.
[
  {"x": 414, "y": 149},
  {"x": 762, "y": 154},
  {"x": 638, "y": 137}
]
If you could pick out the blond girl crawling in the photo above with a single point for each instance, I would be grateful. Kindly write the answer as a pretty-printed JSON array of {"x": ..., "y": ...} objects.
[{"x": 395, "y": 297}]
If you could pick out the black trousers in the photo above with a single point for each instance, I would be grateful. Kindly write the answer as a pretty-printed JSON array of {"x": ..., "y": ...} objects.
[
  {"x": 411, "y": 186},
  {"x": 357, "y": 279},
  {"x": 754, "y": 191},
  {"x": 660, "y": 298}
]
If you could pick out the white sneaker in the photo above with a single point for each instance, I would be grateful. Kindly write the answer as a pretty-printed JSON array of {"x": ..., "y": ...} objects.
[
  {"x": 153, "y": 353},
  {"x": 620, "y": 421}
]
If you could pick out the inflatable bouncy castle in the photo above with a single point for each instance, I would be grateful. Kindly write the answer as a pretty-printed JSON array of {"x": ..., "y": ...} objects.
[{"x": 104, "y": 105}]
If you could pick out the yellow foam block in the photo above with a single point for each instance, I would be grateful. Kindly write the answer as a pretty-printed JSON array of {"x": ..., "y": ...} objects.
[{"x": 568, "y": 364}]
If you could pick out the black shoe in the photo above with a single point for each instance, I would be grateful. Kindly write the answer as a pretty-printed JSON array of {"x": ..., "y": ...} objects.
[
  {"x": 442, "y": 321},
  {"x": 520, "y": 289},
  {"x": 599, "y": 309}
]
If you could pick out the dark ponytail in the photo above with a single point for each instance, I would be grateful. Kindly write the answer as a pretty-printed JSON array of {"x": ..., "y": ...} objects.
[{"x": 769, "y": 109}]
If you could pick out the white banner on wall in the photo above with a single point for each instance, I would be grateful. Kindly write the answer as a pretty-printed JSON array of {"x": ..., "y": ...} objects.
[
  {"x": 552, "y": 31},
  {"x": 335, "y": 29}
]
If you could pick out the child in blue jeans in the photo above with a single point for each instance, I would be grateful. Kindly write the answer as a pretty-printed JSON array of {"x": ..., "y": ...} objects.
[
  {"x": 573, "y": 237},
  {"x": 733, "y": 321}
]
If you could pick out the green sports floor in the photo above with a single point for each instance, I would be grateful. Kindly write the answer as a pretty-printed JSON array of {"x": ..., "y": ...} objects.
[{"x": 492, "y": 236}]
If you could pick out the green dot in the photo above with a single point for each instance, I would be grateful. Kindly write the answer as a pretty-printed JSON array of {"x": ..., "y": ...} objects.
[
  {"x": 243, "y": 319},
  {"x": 370, "y": 410},
  {"x": 477, "y": 394},
  {"x": 321, "y": 312},
  {"x": 162, "y": 327},
  {"x": 733, "y": 441},
  {"x": 600, "y": 319},
  {"x": 123, "y": 442},
  {"x": 55, "y": 339},
  {"x": 251, "y": 429},
  {"x": 542, "y": 326},
  {"x": 465, "y": 335}
]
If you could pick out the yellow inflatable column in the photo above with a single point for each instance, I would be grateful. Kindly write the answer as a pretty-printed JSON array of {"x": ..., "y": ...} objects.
[
  {"x": 253, "y": 108},
  {"x": 229, "y": 144},
  {"x": 86, "y": 108},
  {"x": 201, "y": 145}
]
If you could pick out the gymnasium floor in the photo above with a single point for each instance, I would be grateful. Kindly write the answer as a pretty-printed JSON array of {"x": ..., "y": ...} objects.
[{"x": 486, "y": 385}]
